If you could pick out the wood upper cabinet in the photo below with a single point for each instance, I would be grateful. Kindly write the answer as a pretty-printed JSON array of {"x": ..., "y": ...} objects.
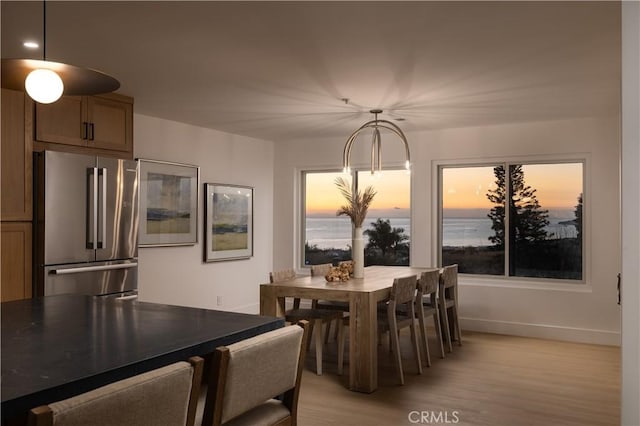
[
  {"x": 101, "y": 121},
  {"x": 16, "y": 261},
  {"x": 16, "y": 167}
]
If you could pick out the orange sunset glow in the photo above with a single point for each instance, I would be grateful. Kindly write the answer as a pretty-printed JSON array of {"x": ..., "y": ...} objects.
[
  {"x": 557, "y": 185},
  {"x": 393, "y": 191},
  {"x": 463, "y": 188}
]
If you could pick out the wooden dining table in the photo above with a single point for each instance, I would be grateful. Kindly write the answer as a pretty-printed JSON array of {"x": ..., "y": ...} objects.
[{"x": 363, "y": 295}]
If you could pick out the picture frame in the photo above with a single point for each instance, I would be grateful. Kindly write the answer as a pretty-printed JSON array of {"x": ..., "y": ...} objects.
[
  {"x": 168, "y": 194},
  {"x": 228, "y": 225}
]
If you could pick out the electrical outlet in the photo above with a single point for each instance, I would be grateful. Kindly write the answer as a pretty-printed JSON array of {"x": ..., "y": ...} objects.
[{"x": 219, "y": 300}]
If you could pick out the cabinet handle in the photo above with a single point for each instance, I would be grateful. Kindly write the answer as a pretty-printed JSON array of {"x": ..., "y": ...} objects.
[
  {"x": 85, "y": 130},
  {"x": 93, "y": 131}
]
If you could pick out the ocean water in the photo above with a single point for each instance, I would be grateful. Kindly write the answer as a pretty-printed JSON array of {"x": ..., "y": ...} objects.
[{"x": 335, "y": 232}]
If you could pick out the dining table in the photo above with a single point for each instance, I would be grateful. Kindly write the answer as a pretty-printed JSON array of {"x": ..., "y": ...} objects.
[
  {"x": 56, "y": 347},
  {"x": 363, "y": 296}
]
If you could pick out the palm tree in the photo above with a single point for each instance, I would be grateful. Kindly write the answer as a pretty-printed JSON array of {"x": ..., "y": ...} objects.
[{"x": 385, "y": 238}]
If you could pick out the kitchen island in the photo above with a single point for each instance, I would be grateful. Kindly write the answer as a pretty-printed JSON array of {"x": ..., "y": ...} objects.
[{"x": 56, "y": 347}]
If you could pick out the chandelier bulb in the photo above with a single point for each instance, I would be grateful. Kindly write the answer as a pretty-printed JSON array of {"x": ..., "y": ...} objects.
[{"x": 44, "y": 86}]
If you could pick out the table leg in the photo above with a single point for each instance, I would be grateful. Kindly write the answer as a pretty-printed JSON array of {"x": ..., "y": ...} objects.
[
  {"x": 363, "y": 351},
  {"x": 269, "y": 303}
]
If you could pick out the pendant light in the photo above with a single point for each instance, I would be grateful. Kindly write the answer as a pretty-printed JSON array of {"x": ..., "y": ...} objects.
[
  {"x": 376, "y": 143},
  {"x": 45, "y": 81}
]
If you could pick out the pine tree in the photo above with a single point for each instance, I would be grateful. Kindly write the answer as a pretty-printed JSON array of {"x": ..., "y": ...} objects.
[
  {"x": 527, "y": 219},
  {"x": 578, "y": 220},
  {"x": 497, "y": 197}
]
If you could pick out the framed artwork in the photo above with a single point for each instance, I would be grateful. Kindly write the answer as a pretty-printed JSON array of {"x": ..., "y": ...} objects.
[
  {"x": 228, "y": 222},
  {"x": 168, "y": 203}
]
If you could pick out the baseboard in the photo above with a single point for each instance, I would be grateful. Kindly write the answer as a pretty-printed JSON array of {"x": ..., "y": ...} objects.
[{"x": 542, "y": 331}]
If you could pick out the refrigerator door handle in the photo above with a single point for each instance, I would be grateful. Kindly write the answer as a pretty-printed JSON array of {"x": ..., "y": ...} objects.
[
  {"x": 92, "y": 207},
  {"x": 102, "y": 173},
  {"x": 65, "y": 271}
]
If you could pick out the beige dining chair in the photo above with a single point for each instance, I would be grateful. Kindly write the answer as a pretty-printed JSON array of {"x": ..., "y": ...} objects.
[
  {"x": 322, "y": 270},
  {"x": 166, "y": 396},
  {"x": 316, "y": 317},
  {"x": 400, "y": 313},
  {"x": 427, "y": 306},
  {"x": 247, "y": 377},
  {"x": 448, "y": 303}
]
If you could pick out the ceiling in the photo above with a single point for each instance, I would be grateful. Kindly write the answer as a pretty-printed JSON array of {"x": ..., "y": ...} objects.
[{"x": 282, "y": 70}]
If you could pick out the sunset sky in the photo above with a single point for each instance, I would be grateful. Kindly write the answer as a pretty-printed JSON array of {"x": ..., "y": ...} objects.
[
  {"x": 557, "y": 185},
  {"x": 393, "y": 191}
]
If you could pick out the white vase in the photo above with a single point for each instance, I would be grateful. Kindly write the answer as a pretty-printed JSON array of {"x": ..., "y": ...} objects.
[{"x": 357, "y": 253}]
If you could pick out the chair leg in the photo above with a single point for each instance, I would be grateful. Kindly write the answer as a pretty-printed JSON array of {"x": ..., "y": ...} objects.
[
  {"x": 395, "y": 344},
  {"x": 436, "y": 323},
  {"x": 457, "y": 325},
  {"x": 341, "y": 333},
  {"x": 311, "y": 326},
  {"x": 445, "y": 328},
  {"x": 423, "y": 334},
  {"x": 327, "y": 331},
  {"x": 319, "y": 344},
  {"x": 416, "y": 348}
]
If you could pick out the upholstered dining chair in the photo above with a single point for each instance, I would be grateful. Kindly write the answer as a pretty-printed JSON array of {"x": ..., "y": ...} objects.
[
  {"x": 166, "y": 396},
  {"x": 316, "y": 317},
  {"x": 400, "y": 313},
  {"x": 448, "y": 303},
  {"x": 247, "y": 377},
  {"x": 427, "y": 306}
]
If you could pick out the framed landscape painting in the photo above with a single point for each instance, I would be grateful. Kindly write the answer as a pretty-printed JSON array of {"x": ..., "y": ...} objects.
[
  {"x": 228, "y": 222},
  {"x": 168, "y": 203}
]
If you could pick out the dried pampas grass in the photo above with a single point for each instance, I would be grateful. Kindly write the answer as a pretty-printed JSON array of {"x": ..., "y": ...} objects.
[{"x": 357, "y": 204}]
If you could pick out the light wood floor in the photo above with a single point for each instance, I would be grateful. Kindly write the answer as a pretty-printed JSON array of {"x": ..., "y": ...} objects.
[{"x": 490, "y": 380}]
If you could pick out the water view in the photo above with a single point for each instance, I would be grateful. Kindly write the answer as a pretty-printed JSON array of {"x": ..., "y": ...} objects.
[{"x": 335, "y": 232}]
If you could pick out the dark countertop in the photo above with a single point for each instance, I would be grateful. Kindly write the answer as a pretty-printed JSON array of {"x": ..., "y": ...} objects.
[{"x": 59, "y": 346}]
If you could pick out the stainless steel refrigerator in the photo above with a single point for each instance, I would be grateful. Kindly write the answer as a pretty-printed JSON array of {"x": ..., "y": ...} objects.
[{"x": 86, "y": 224}]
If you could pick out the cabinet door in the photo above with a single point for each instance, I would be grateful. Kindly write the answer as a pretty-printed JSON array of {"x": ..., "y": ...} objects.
[
  {"x": 16, "y": 261},
  {"x": 16, "y": 159},
  {"x": 62, "y": 121},
  {"x": 111, "y": 124}
]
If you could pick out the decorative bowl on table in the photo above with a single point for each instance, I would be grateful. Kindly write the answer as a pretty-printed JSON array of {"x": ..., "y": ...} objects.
[{"x": 340, "y": 273}]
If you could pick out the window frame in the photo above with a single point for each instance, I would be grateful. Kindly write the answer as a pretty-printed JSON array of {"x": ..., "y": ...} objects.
[
  {"x": 302, "y": 191},
  {"x": 505, "y": 278}
]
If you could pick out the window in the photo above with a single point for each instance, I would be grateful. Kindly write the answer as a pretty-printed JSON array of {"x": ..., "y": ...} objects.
[
  {"x": 524, "y": 223},
  {"x": 327, "y": 238}
]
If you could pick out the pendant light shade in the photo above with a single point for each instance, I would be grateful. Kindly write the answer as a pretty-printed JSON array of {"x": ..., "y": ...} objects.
[
  {"x": 376, "y": 143},
  {"x": 45, "y": 81},
  {"x": 44, "y": 86}
]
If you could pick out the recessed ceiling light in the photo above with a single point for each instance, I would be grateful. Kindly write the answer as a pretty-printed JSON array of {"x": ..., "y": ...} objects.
[{"x": 30, "y": 44}]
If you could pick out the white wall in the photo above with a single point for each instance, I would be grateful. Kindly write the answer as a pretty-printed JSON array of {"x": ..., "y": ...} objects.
[
  {"x": 630, "y": 213},
  {"x": 577, "y": 312},
  {"x": 178, "y": 275}
]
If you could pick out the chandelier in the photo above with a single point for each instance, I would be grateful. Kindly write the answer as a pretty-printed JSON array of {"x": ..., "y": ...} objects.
[{"x": 376, "y": 143}]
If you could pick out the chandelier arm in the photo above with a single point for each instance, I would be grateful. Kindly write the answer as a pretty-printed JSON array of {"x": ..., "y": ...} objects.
[
  {"x": 379, "y": 149},
  {"x": 346, "y": 153},
  {"x": 395, "y": 129},
  {"x": 376, "y": 143},
  {"x": 373, "y": 149}
]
